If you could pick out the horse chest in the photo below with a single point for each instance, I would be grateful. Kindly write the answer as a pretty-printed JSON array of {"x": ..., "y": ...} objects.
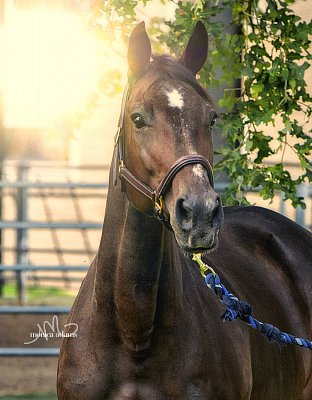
[
  {"x": 135, "y": 391},
  {"x": 176, "y": 369}
]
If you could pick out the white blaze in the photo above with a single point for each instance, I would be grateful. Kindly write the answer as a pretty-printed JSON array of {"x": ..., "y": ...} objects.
[
  {"x": 210, "y": 203},
  {"x": 175, "y": 99},
  {"x": 198, "y": 171}
]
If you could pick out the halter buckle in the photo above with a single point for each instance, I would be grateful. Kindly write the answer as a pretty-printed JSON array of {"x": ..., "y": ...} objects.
[
  {"x": 121, "y": 165},
  {"x": 158, "y": 205}
]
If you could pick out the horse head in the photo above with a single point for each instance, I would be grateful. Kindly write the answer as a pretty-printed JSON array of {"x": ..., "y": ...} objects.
[{"x": 168, "y": 116}]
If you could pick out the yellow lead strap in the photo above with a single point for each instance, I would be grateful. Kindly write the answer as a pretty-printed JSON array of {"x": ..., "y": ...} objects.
[{"x": 203, "y": 268}]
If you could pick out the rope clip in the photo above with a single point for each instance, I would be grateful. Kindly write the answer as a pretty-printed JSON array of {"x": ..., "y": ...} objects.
[{"x": 203, "y": 268}]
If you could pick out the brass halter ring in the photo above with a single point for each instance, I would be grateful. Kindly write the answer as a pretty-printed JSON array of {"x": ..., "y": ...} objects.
[{"x": 158, "y": 205}]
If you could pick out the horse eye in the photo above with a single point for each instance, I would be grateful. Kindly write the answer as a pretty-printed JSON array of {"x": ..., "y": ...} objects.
[
  {"x": 138, "y": 121},
  {"x": 213, "y": 120}
]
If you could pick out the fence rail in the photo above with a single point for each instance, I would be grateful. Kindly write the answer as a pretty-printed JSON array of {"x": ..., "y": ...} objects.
[
  {"x": 51, "y": 185},
  {"x": 34, "y": 310},
  {"x": 34, "y": 352},
  {"x": 47, "y": 225},
  {"x": 27, "y": 267}
]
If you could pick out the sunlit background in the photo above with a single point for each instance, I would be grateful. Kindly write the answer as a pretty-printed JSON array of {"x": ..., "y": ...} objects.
[
  {"x": 45, "y": 55},
  {"x": 50, "y": 66}
]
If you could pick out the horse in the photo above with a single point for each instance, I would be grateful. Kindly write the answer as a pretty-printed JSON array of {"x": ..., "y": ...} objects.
[{"x": 148, "y": 327}]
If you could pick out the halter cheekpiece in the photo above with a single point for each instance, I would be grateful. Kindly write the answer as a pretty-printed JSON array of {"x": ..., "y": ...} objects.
[{"x": 154, "y": 195}]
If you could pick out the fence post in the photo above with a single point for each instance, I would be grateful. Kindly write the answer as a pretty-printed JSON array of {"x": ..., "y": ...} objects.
[
  {"x": 21, "y": 233},
  {"x": 302, "y": 191},
  {"x": 282, "y": 209},
  {"x": 2, "y": 156},
  {"x": 2, "y": 280}
]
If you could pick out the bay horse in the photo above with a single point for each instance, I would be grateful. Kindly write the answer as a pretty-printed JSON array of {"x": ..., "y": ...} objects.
[{"x": 148, "y": 326}]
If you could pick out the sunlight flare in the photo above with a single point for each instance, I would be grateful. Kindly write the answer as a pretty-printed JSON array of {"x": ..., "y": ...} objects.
[{"x": 50, "y": 66}]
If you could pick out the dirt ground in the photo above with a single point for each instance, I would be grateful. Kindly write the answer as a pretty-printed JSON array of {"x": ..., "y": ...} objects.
[{"x": 28, "y": 374}]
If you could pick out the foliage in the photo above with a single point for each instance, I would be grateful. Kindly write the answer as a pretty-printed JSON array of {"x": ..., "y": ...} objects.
[{"x": 268, "y": 53}]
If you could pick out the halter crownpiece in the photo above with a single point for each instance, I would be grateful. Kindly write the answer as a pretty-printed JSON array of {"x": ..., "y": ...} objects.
[{"x": 154, "y": 195}]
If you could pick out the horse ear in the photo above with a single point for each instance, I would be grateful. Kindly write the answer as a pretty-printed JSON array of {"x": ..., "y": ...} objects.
[
  {"x": 139, "y": 50},
  {"x": 196, "y": 50}
]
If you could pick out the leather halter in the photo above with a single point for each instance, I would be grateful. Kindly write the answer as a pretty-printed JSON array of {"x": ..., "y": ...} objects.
[{"x": 154, "y": 195}]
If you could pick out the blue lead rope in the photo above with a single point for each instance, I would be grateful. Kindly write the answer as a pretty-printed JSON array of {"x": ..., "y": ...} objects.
[{"x": 236, "y": 308}]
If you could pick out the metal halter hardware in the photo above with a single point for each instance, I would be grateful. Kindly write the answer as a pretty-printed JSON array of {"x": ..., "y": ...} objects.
[{"x": 154, "y": 195}]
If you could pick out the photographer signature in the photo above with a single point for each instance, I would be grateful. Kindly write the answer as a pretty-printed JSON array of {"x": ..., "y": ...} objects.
[{"x": 52, "y": 330}]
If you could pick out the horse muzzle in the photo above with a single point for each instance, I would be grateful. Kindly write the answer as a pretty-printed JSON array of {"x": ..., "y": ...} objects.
[{"x": 196, "y": 221}]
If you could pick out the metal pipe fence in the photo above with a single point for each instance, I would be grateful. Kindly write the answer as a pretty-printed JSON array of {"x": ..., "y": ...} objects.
[
  {"x": 35, "y": 352},
  {"x": 27, "y": 267},
  {"x": 23, "y": 189}
]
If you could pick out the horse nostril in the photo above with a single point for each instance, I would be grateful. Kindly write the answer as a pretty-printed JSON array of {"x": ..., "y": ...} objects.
[
  {"x": 193, "y": 212},
  {"x": 217, "y": 215},
  {"x": 184, "y": 214}
]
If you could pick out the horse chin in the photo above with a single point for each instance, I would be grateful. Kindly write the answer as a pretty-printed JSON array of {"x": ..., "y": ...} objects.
[{"x": 189, "y": 245}]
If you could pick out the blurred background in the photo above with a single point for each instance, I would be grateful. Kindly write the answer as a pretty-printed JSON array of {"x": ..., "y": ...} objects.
[{"x": 61, "y": 81}]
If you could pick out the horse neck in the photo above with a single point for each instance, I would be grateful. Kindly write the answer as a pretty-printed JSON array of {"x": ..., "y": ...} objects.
[{"x": 134, "y": 250}]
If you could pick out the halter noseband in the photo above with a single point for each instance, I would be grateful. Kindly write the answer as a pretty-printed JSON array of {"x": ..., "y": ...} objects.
[{"x": 154, "y": 195}]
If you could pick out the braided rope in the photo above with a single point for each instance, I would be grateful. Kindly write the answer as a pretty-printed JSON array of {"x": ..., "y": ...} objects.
[{"x": 236, "y": 308}]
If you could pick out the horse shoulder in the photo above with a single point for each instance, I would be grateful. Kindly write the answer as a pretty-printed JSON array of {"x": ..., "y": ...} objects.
[{"x": 266, "y": 259}]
